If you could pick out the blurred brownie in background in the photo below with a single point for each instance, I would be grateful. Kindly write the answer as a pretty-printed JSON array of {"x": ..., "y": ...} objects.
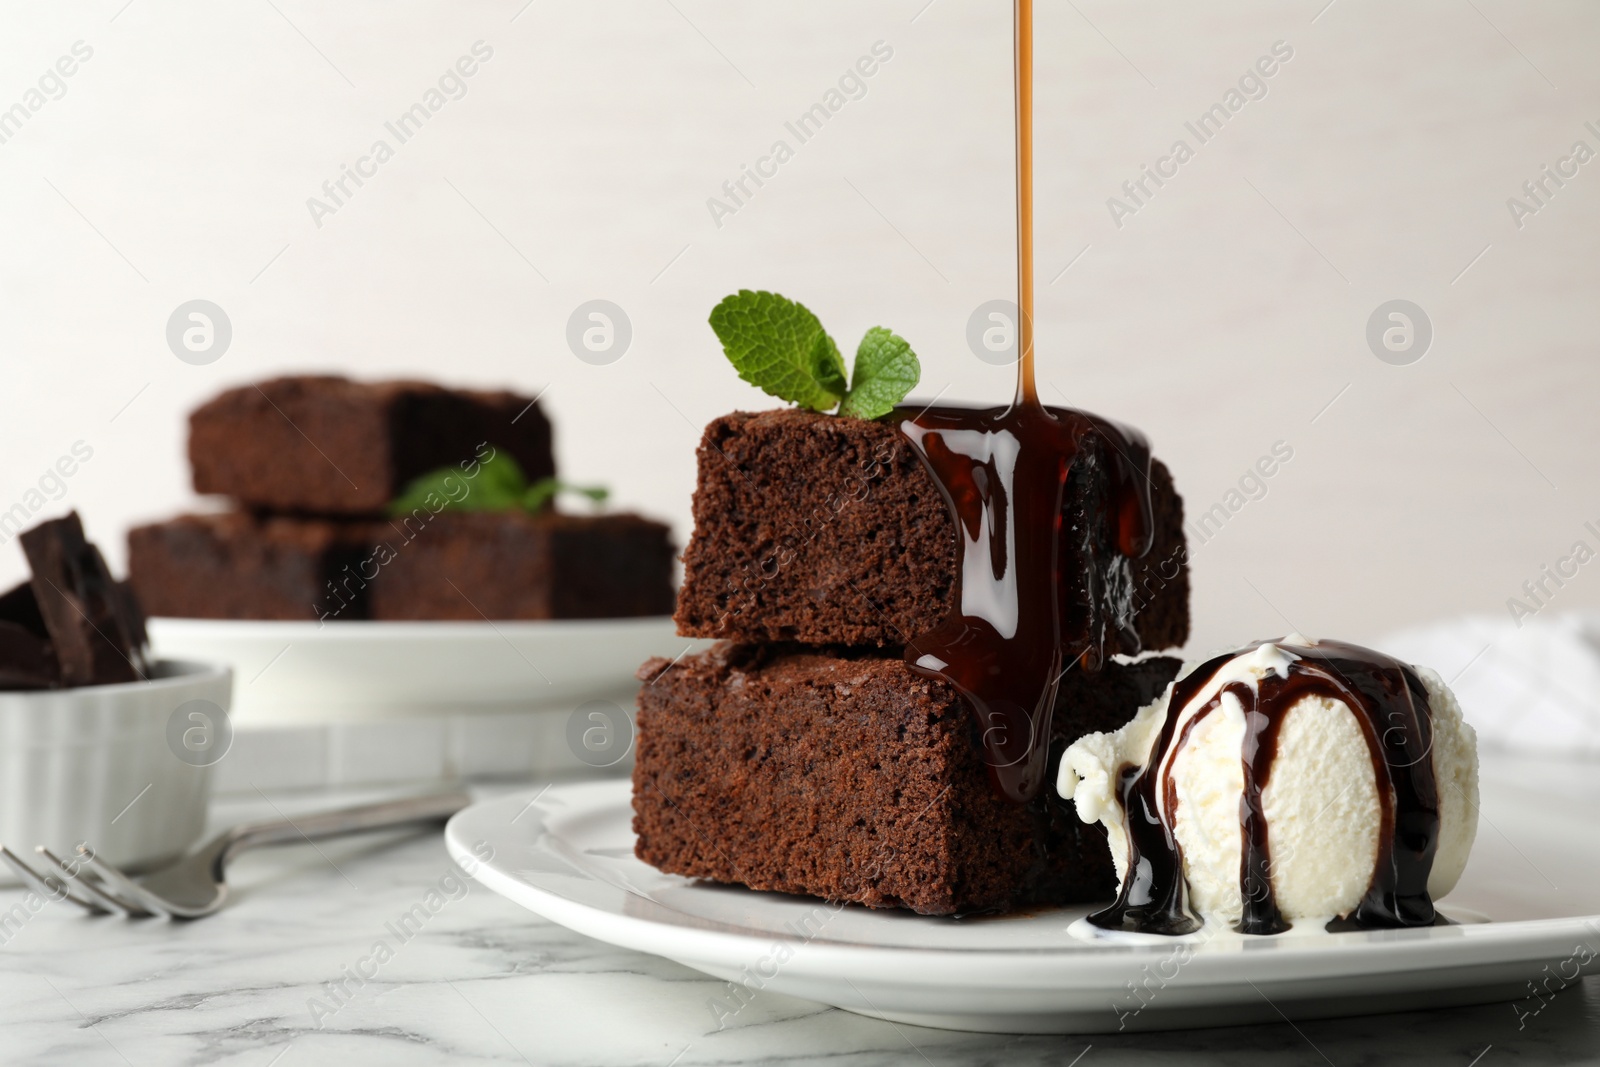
[
  {"x": 240, "y": 566},
  {"x": 515, "y": 565},
  {"x": 460, "y": 565},
  {"x": 361, "y": 500},
  {"x": 329, "y": 445}
]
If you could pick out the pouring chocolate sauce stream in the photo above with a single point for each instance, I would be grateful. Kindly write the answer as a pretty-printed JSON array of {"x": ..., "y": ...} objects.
[{"x": 1004, "y": 474}]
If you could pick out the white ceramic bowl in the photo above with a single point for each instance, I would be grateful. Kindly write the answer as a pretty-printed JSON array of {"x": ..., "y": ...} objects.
[{"x": 94, "y": 764}]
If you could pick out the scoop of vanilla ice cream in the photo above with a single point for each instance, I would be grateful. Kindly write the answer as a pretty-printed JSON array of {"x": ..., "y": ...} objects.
[{"x": 1320, "y": 802}]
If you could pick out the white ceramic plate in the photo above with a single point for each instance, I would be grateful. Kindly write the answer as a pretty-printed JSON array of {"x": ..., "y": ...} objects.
[
  {"x": 568, "y": 855},
  {"x": 291, "y": 672}
]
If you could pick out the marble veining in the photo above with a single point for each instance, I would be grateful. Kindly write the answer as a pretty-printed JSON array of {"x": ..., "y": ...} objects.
[{"x": 288, "y": 975}]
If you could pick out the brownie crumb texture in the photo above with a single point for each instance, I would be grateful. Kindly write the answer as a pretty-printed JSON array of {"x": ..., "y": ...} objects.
[
  {"x": 803, "y": 754},
  {"x": 828, "y": 530},
  {"x": 854, "y": 778}
]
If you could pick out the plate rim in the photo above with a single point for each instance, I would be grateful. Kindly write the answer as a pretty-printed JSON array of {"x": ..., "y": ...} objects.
[
  {"x": 1057, "y": 967},
  {"x": 363, "y": 629}
]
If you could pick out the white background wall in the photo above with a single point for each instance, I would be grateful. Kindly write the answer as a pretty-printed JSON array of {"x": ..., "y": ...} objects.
[{"x": 1224, "y": 316}]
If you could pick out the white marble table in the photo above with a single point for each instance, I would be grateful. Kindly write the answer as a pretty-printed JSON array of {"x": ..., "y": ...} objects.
[{"x": 483, "y": 981}]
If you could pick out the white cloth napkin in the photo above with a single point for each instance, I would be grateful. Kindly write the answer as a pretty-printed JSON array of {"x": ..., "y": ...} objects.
[{"x": 1533, "y": 687}]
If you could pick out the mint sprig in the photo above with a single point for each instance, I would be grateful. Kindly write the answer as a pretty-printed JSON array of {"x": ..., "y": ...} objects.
[
  {"x": 497, "y": 484},
  {"x": 545, "y": 490},
  {"x": 886, "y": 370},
  {"x": 779, "y": 346}
]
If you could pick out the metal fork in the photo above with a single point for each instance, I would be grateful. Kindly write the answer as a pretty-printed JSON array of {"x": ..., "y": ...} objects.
[{"x": 194, "y": 886}]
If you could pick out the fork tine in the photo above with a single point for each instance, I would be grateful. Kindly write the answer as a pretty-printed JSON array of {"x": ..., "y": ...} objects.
[
  {"x": 41, "y": 883},
  {"x": 95, "y": 892},
  {"x": 126, "y": 888}
]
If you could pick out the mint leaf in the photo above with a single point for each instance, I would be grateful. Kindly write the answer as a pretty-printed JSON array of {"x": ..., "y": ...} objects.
[
  {"x": 886, "y": 370},
  {"x": 542, "y": 492},
  {"x": 827, "y": 366},
  {"x": 495, "y": 484},
  {"x": 499, "y": 485},
  {"x": 779, "y": 347}
]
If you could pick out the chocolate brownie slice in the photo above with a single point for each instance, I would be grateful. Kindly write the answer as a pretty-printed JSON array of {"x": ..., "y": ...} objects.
[
  {"x": 331, "y": 445},
  {"x": 452, "y": 565},
  {"x": 515, "y": 565},
  {"x": 827, "y": 530},
  {"x": 852, "y": 777},
  {"x": 239, "y": 566}
]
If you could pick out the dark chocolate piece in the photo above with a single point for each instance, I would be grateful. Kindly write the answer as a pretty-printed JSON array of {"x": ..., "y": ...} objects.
[
  {"x": 95, "y": 626},
  {"x": 334, "y": 446},
  {"x": 26, "y": 659},
  {"x": 849, "y": 776}
]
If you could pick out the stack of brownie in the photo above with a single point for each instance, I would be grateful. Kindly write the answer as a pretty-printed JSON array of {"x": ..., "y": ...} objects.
[
  {"x": 803, "y": 753},
  {"x": 312, "y": 465}
]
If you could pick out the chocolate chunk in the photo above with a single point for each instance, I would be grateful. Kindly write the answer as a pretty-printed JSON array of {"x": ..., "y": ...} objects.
[
  {"x": 26, "y": 659},
  {"x": 94, "y": 624}
]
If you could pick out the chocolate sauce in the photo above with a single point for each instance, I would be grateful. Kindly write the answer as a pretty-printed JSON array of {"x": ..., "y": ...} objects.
[
  {"x": 1391, "y": 705},
  {"x": 1020, "y": 618},
  {"x": 1019, "y": 621},
  {"x": 1023, "y": 43}
]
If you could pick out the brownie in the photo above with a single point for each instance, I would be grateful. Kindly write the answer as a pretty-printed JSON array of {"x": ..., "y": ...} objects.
[
  {"x": 827, "y": 530},
  {"x": 329, "y": 445},
  {"x": 848, "y": 775},
  {"x": 513, "y": 565},
  {"x": 239, "y": 566},
  {"x": 452, "y": 565}
]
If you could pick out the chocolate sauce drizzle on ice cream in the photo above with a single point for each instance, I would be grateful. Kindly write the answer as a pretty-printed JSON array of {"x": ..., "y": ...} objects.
[{"x": 1353, "y": 776}]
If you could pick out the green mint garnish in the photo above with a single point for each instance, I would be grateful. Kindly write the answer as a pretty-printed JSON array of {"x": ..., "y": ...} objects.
[
  {"x": 495, "y": 484},
  {"x": 778, "y": 346},
  {"x": 498, "y": 487},
  {"x": 886, "y": 370},
  {"x": 543, "y": 491}
]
